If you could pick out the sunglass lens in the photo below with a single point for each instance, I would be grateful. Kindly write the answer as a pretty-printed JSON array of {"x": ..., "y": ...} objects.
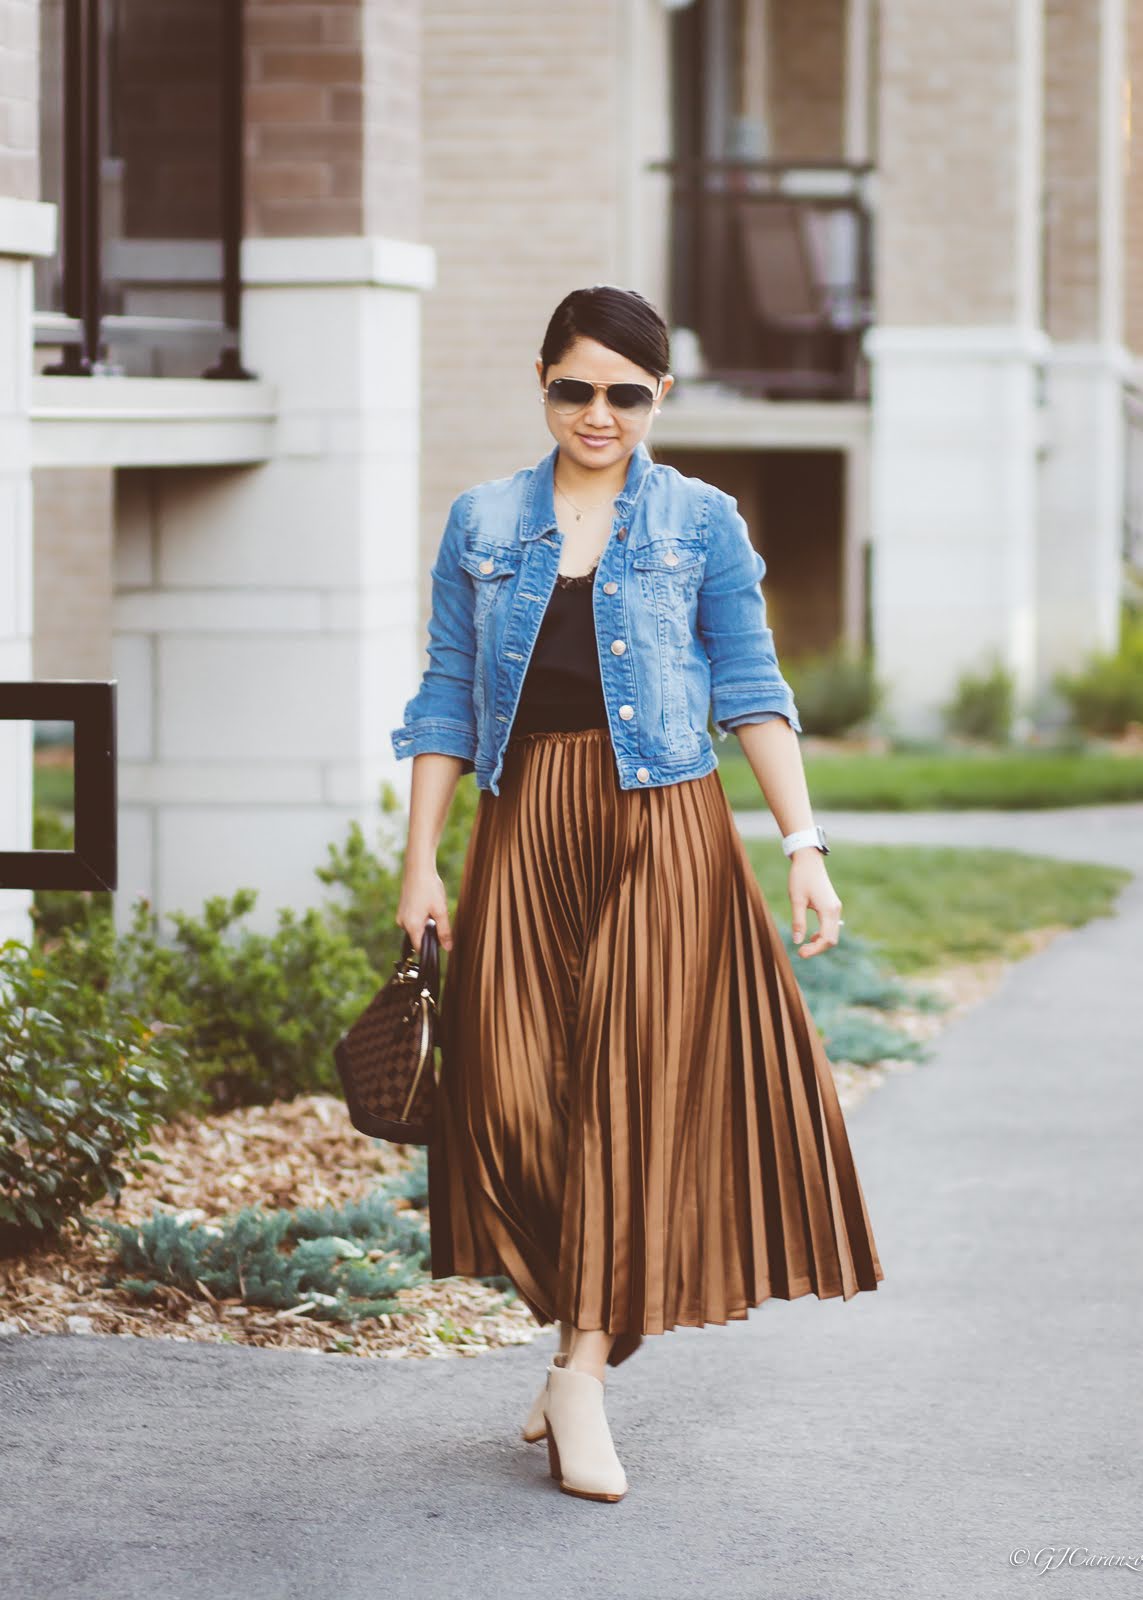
[
  {"x": 630, "y": 397},
  {"x": 569, "y": 394}
]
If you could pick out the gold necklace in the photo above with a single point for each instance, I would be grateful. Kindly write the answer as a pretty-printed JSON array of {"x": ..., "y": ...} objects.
[{"x": 576, "y": 509}]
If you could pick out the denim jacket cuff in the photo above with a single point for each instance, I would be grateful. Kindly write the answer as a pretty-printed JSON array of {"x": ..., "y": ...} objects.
[
  {"x": 436, "y": 735},
  {"x": 747, "y": 703}
]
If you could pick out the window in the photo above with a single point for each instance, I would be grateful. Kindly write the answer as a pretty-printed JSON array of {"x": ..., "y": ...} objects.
[{"x": 140, "y": 137}]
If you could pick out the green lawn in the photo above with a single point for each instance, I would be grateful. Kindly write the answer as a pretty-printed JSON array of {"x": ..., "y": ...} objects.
[
  {"x": 53, "y": 788},
  {"x": 953, "y": 780},
  {"x": 923, "y": 907}
]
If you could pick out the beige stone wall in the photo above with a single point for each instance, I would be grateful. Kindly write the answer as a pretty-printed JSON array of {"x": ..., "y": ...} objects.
[
  {"x": 951, "y": 142},
  {"x": 332, "y": 118},
  {"x": 521, "y": 206},
  {"x": 1133, "y": 177},
  {"x": 807, "y": 78},
  {"x": 1071, "y": 167},
  {"x": 19, "y": 94},
  {"x": 73, "y": 535}
]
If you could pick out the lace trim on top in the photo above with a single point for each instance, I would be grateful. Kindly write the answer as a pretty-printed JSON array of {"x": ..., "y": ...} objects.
[{"x": 575, "y": 580}]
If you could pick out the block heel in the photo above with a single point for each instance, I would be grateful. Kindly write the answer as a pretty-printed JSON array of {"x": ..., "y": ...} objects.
[{"x": 587, "y": 1464}]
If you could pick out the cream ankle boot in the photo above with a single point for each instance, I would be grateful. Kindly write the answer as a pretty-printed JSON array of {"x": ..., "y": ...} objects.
[
  {"x": 581, "y": 1454},
  {"x": 535, "y": 1427}
]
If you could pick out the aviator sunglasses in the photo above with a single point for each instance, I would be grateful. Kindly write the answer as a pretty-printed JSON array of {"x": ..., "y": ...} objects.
[{"x": 566, "y": 395}]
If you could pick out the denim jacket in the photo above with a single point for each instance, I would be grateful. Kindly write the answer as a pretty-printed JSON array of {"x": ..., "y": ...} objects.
[{"x": 680, "y": 624}]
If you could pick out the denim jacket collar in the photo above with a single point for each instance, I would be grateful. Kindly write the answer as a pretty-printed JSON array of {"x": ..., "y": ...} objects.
[{"x": 539, "y": 513}]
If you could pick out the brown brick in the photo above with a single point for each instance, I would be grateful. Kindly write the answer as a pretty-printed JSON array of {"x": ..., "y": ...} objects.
[
  {"x": 315, "y": 218},
  {"x": 347, "y": 103},
  {"x": 293, "y": 180},
  {"x": 311, "y": 66},
  {"x": 285, "y": 103},
  {"x": 342, "y": 26},
  {"x": 281, "y": 25},
  {"x": 326, "y": 143}
]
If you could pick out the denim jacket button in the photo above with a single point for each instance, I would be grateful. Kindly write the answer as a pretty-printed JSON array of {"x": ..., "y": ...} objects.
[
  {"x": 642, "y": 774},
  {"x": 486, "y": 566},
  {"x": 617, "y": 647},
  {"x": 627, "y": 712},
  {"x": 671, "y": 559},
  {"x": 610, "y": 588}
]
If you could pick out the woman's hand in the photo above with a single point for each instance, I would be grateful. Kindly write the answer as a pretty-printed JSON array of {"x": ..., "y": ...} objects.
[
  {"x": 423, "y": 896},
  {"x": 810, "y": 886}
]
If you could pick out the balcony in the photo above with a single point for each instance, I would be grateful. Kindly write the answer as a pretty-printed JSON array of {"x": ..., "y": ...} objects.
[{"x": 770, "y": 282}]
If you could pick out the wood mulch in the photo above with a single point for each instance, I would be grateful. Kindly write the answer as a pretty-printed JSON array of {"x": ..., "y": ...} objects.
[{"x": 305, "y": 1152}]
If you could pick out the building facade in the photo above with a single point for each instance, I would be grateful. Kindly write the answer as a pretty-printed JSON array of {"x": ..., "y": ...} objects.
[{"x": 273, "y": 277}]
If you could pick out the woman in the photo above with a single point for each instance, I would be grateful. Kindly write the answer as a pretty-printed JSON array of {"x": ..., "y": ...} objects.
[{"x": 637, "y": 1120}]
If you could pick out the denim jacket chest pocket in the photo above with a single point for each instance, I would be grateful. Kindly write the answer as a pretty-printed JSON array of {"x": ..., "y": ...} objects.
[
  {"x": 490, "y": 564},
  {"x": 668, "y": 570}
]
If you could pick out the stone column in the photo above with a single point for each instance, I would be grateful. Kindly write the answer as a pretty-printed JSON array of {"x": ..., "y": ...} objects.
[
  {"x": 27, "y": 230},
  {"x": 958, "y": 347},
  {"x": 1081, "y": 523},
  {"x": 266, "y": 616}
]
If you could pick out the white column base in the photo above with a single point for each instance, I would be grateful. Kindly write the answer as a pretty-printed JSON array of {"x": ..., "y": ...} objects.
[
  {"x": 264, "y": 615},
  {"x": 953, "y": 507},
  {"x": 1081, "y": 524},
  {"x": 27, "y": 229}
]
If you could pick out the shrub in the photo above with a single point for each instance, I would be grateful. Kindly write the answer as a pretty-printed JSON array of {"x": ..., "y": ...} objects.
[
  {"x": 372, "y": 881},
  {"x": 84, "y": 1081},
  {"x": 982, "y": 706},
  {"x": 834, "y": 690},
  {"x": 346, "y": 1262},
  {"x": 259, "y": 1013},
  {"x": 1107, "y": 693}
]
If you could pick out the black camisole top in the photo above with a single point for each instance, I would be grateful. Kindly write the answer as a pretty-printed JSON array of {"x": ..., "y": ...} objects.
[{"x": 562, "y": 688}]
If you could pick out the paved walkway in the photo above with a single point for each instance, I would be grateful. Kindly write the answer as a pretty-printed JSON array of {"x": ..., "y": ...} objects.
[
  {"x": 1108, "y": 834},
  {"x": 985, "y": 1400}
]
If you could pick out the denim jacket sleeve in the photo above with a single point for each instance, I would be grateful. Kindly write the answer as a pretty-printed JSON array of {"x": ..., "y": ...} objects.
[
  {"x": 746, "y": 682},
  {"x": 441, "y": 716}
]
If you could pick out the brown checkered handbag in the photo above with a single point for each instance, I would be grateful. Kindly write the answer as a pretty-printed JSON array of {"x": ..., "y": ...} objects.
[{"x": 385, "y": 1059}]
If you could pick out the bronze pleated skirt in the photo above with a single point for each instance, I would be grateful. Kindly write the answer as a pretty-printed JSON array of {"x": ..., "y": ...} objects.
[{"x": 637, "y": 1120}]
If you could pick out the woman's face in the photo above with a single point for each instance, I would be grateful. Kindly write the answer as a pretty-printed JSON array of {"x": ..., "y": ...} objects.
[{"x": 598, "y": 437}]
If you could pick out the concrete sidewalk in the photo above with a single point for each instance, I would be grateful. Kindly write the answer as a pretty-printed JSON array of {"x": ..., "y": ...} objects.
[{"x": 984, "y": 1400}]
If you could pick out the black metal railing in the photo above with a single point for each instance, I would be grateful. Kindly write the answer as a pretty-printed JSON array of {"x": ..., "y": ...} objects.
[
  {"x": 771, "y": 268},
  {"x": 141, "y": 127}
]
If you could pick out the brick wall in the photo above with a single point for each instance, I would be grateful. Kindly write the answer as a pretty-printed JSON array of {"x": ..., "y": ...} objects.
[
  {"x": 950, "y": 144},
  {"x": 524, "y": 138},
  {"x": 807, "y": 77},
  {"x": 19, "y": 93},
  {"x": 332, "y": 135}
]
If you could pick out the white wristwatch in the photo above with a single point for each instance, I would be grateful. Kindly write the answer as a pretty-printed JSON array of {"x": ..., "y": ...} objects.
[{"x": 797, "y": 841}]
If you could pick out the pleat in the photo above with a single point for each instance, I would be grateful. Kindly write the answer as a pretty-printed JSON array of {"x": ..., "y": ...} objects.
[{"x": 637, "y": 1119}]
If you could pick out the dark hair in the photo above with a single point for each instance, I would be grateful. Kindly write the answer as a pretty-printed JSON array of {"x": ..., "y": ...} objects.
[{"x": 622, "y": 319}]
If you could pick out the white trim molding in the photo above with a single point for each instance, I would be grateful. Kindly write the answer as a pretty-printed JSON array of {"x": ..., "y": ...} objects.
[
  {"x": 390, "y": 263},
  {"x": 133, "y": 422},
  {"x": 27, "y": 227},
  {"x": 971, "y": 343}
]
